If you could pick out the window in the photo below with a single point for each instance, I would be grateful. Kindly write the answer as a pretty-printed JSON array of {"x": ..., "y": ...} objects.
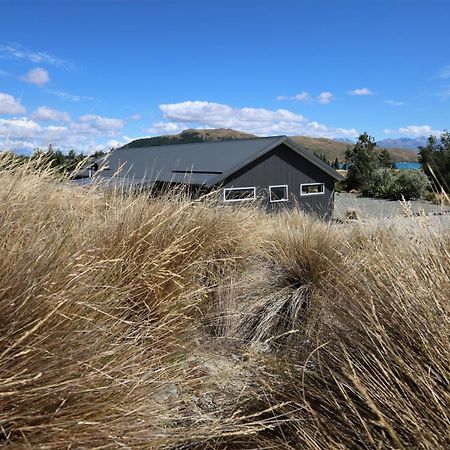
[
  {"x": 278, "y": 193},
  {"x": 239, "y": 194},
  {"x": 312, "y": 188}
]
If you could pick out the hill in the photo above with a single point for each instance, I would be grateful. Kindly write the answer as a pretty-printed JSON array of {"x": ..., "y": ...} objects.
[
  {"x": 190, "y": 135},
  {"x": 330, "y": 148},
  {"x": 333, "y": 149}
]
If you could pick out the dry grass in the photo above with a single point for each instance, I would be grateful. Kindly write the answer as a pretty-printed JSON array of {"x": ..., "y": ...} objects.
[{"x": 167, "y": 323}]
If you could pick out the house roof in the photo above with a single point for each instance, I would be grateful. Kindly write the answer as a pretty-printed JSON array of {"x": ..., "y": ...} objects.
[{"x": 205, "y": 163}]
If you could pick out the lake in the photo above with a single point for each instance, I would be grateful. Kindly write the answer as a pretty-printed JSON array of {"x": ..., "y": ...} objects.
[{"x": 408, "y": 165}]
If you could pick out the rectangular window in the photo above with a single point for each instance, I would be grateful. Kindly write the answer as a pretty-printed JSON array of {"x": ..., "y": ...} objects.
[
  {"x": 278, "y": 193},
  {"x": 239, "y": 194},
  {"x": 312, "y": 188}
]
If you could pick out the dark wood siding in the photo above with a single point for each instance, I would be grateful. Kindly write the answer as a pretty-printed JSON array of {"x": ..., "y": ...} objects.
[{"x": 283, "y": 166}]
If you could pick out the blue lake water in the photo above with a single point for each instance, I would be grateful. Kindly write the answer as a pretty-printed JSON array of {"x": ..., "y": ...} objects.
[
  {"x": 408, "y": 165},
  {"x": 399, "y": 165}
]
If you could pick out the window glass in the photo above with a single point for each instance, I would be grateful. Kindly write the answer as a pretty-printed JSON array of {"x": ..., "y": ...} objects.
[
  {"x": 278, "y": 193},
  {"x": 312, "y": 188},
  {"x": 239, "y": 194}
]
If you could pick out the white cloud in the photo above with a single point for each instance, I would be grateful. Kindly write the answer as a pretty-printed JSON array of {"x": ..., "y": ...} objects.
[
  {"x": 115, "y": 143},
  {"x": 67, "y": 96},
  {"x": 25, "y": 133},
  {"x": 10, "y": 105},
  {"x": 16, "y": 51},
  {"x": 260, "y": 121},
  {"x": 360, "y": 91},
  {"x": 168, "y": 127},
  {"x": 394, "y": 103},
  {"x": 301, "y": 97},
  {"x": 325, "y": 97},
  {"x": 413, "y": 131},
  {"x": 19, "y": 128},
  {"x": 444, "y": 73},
  {"x": 37, "y": 76},
  {"x": 100, "y": 123},
  {"x": 46, "y": 114}
]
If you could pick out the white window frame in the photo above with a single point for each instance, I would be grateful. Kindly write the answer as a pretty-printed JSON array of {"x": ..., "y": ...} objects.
[
  {"x": 312, "y": 193},
  {"x": 279, "y": 186},
  {"x": 239, "y": 199}
]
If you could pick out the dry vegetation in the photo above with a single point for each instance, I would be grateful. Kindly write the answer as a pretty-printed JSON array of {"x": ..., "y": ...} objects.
[{"x": 129, "y": 322}]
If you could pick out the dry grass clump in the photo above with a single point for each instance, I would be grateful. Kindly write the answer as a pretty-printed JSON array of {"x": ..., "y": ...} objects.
[
  {"x": 97, "y": 291},
  {"x": 278, "y": 295},
  {"x": 133, "y": 322},
  {"x": 377, "y": 374}
]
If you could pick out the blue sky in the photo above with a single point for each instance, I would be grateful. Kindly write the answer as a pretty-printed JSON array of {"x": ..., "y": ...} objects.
[{"x": 93, "y": 74}]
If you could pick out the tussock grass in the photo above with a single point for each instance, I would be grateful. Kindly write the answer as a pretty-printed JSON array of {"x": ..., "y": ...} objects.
[{"x": 129, "y": 321}]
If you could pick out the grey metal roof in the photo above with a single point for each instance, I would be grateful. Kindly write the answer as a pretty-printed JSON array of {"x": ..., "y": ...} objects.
[{"x": 205, "y": 163}]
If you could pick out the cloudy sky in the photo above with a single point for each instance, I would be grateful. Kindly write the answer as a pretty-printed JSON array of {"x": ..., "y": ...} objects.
[{"x": 94, "y": 74}]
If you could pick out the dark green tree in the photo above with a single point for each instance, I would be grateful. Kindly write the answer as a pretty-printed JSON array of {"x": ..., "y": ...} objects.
[
  {"x": 385, "y": 160},
  {"x": 336, "y": 163},
  {"x": 363, "y": 162},
  {"x": 435, "y": 160}
]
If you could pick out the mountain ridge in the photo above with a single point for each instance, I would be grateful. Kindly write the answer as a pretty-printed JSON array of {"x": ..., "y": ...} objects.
[{"x": 328, "y": 148}]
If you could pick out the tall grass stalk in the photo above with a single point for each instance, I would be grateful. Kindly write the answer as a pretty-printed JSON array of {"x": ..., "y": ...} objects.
[{"x": 137, "y": 321}]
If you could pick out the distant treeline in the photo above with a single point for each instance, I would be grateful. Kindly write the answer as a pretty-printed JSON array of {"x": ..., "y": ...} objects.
[{"x": 62, "y": 162}]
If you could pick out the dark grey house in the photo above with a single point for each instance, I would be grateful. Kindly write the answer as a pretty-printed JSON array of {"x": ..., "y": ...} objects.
[{"x": 273, "y": 170}]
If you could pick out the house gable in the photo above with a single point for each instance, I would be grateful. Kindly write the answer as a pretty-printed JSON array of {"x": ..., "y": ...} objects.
[{"x": 284, "y": 166}]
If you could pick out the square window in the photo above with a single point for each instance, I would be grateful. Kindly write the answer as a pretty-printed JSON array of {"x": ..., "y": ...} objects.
[{"x": 278, "y": 193}]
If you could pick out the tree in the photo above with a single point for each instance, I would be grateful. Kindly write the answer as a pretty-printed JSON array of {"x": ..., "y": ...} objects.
[
  {"x": 336, "y": 163},
  {"x": 58, "y": 160},
  {"x": 322, "y": 157},
  {"x": 385, "y": 160},
  {"x": 435, "y": 160},
  {"x": 362, "y": 161}
]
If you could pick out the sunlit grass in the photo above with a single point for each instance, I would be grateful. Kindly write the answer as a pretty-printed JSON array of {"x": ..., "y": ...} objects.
[{"x": 129, "y": 321}]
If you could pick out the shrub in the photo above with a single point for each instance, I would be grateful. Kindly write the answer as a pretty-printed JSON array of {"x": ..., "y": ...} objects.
[
  {"x": 379, "y": 184},
  {"x": 408, "y": 184}
]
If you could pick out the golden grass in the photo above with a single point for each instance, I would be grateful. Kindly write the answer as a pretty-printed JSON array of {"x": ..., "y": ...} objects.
[{"x": 168, "y": 323}]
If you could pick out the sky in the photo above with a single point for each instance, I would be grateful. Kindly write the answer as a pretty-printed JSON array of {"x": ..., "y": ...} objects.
[{"x": 94, "y": 74}]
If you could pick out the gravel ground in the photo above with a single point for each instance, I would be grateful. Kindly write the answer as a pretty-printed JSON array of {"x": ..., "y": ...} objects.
[
  {"x": 372, "y": 208},
  {"x": 410, "y": 217}
]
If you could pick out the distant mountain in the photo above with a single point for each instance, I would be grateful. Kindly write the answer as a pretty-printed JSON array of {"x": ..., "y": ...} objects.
[
  {"x": 329, "y": 148},
  {"x": 404, "y": 143},
  {"x": 347, "y": 140}
]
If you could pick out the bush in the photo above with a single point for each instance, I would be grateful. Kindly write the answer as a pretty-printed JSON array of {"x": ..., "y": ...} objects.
[
  {"x": 408, "y": 184},
  {"x": 379, "y": 185},
  {"x": 405, "y": 184}
]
